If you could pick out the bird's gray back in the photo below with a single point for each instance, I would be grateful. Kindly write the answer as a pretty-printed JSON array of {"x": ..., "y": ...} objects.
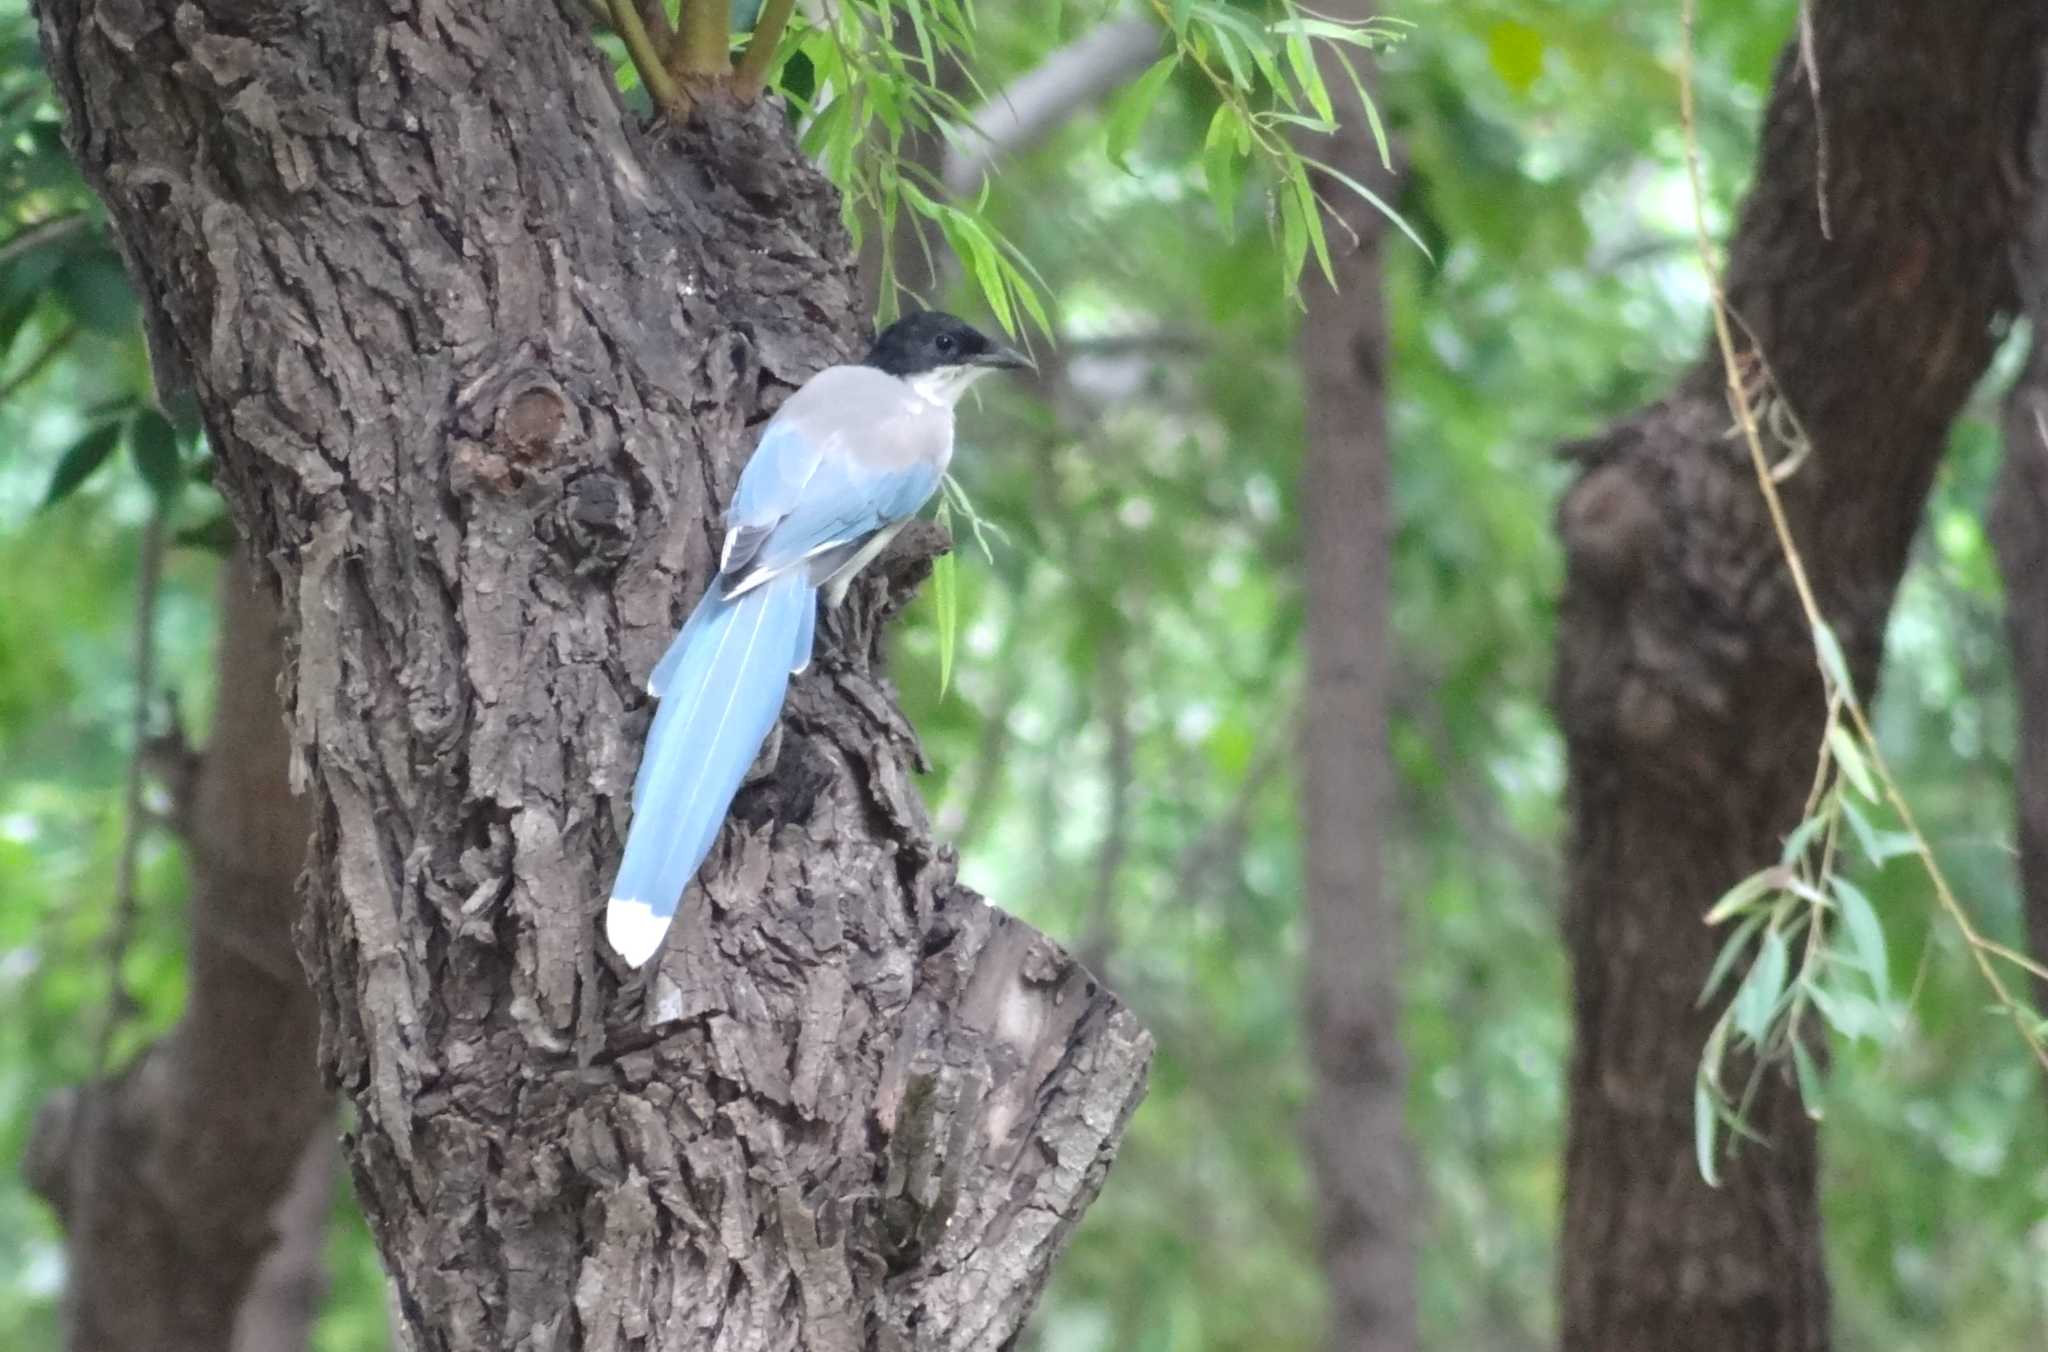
[{"x": 872, "y": 416}]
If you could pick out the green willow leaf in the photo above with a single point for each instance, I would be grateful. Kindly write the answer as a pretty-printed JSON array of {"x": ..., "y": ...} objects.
[
  {"x": 1756, "y": 1000},
  {"x": 77, "y": 464},
  {"x": 1134, "y": 108},
  {"x": 1865, "y": 934},
  {"x": 1705, "y": 1119},
  {"x": 154, "y": 444},
  {"x": 1809, "y": 1079}
]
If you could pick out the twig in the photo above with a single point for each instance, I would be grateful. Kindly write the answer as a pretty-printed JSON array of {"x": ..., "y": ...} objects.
[
  {"x": 654, "y": 18},
  {"x": 1820, "y": 125},
  {"x": 752, "y": 72},
  {"x": 41, "y": 233},
  {"x": 667, "y": 95},
  {"x": 36, "y": 363},
  {"x": 1981, "y": 951}
]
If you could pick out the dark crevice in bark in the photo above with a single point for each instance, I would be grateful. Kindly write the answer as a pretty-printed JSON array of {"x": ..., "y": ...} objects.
[
  {"x": 1686, "y": 682},
  {"x": 190, "y": 1147},
  {"x": 479, "y": 358}
]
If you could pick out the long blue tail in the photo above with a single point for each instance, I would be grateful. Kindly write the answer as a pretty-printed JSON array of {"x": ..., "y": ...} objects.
[{"x": 720, "y": 685}]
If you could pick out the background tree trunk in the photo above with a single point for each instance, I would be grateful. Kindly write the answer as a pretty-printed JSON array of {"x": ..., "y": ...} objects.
[
  {"x": 478, "y": 359},
  {"x": 1687, "y": 685},
  {"x": 166, "y": 1174},
  {"x": 2019, "y": 528},
  {"x": 1356, "y": 1124},
  {"x": 290, "y": 1285}
]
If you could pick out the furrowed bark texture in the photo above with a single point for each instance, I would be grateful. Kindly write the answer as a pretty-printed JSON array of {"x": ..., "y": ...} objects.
[
  {"x": 2019, "y": 528},
  {"x": 1356, "y": 1124},
  {"x": 479, "y": 360},
  {"x": 1687, "y": 684},
  {"x": 166, "y": 1175}
]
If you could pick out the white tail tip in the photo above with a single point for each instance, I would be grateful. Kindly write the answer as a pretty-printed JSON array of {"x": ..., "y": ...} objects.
[{"x": 634, "y": 929}]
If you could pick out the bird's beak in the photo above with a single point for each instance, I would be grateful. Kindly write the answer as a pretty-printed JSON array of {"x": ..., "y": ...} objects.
[{"x": 1005, "y": 359}]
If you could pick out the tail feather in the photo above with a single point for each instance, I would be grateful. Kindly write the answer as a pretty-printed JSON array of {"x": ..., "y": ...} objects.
[
  {"x": 721, "y": 686},
  {"x": 806, "y": 637}
]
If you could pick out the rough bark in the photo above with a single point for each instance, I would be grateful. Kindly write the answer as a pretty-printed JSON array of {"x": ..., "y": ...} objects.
[
  {"x": 1687, "y": 686},
  {"x": 2019, "y": 528},
  {"x": 479, "y": 358},
  {"x": 165, "y": 1175},
  {"x": 1356, "y": 1123}
]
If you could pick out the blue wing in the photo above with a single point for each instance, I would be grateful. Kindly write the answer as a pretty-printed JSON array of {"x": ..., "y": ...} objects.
[
  {"x": 804, "y": 509},
  {"x": 799, "y": 500}
]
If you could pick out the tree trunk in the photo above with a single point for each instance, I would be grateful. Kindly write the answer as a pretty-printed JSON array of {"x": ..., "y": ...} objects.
[
  {"x": 1687, "y": 684},
  {"x": 166, "y": 1174},
  {"x": 2019, "y": 528},
  {"x": 478, "y": 359},
  {"x": 1356, "y": 1123},
  {"x": 289, "y": 1287}
]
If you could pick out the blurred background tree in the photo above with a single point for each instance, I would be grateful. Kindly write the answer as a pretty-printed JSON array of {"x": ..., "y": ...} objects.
[{"x": 1116, "y": 754}]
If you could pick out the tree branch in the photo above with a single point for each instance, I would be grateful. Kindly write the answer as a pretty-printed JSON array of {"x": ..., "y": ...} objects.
[
  {"x": 647, "y": 59},
  {"x": 654, "y": 18},
  {"x": 703, "y": 49},
  {"x": 1041, "y": 100},
  {"x": 753, "y": 67},
  {"x": 31, "y": 237}
]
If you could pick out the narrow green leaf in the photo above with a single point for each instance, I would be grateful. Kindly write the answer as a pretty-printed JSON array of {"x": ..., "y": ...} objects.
[
  {"x": 1738, "y": 898},
  {"x": 1802, "y": 837},
  {"x": 1859, "y": 827},
  {"x": 1220, "y": 167},
  {"x": 1809, "y": 1079},
  {"x": 1133, "y": 108},
  {"x": 1850, "y": 1014},
  {"x": 1302, "y": 58},
  {"x": 1756, "y": 1000},
  {"x": 1240, "y": 74},
  {"x": 77, "y": 464},
  {"x": 1311, "y": 208},
  {"x": 1293, "y": 236},
  {"x": 1879, "y": 846},
  {"x": 1849, "y": 755},
  {"x": 1733, "y": 949},
  {"x": 1328, "y": 29},
  {"x": 1704, "y": 1122},
  {"x": 1026, "y": 294},
  {"x": 154, "y": 444},
  {"x": 1865, "y": 935},
  {"x": 1378, "y": 203},
  {"x": 1833, "y": 663}
]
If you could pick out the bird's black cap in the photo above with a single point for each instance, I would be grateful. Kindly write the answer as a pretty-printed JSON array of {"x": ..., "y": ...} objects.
[{"x": 930, "y": 340}]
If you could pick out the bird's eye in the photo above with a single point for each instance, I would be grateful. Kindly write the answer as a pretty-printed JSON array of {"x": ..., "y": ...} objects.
[{"x": 945, "y": 343}]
